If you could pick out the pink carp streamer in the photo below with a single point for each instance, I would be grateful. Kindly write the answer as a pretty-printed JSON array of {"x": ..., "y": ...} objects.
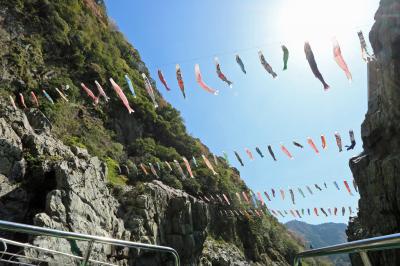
[
  {"x": 316, "y": 211},
  {"x": 121, "y": 95},
  {"x": 323, "y": 140},
  {"x": 149, "y": 89},
  {"x": 337, "y": 54},
  {"x": 13, "y": 103},
  {"x": 251, "y": 157},
  {"x": 101, "y": 91},
  {"x": 208, "y": 164},
  {"x": 22, "y": 100},
  {"x": 62, "y": 95},
  {"x": 260, "y": 198},
  {"x": 312, "y": 144},
  {"x": 162, "y": 79},
  {"x": 143, "y": 169},
  {"x": 338, "y": 141},
  {"x": 286, "y": 151},
  {"x": 199, "y": 80},
  {"x": 89, "y": 93},
  {"x": 348, "y": 187},
  {"x": 188, "y": 168},
  {"x": 34, "y": 99}
]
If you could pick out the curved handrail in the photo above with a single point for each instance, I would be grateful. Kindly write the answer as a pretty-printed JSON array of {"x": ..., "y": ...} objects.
[
  {"x": 30, "y": 229},
  {"x": 370, "y": 244}
]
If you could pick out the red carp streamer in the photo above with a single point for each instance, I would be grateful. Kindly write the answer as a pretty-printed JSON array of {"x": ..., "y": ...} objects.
[
  {"x": 347, "y": 187},
  {"x": 89, "y": 93},
  {"x": 249, "y": 154},
  {"x": 101, "y": 91},
  {"x": 199, "y": 80},
  {"x": 260, "y": 198},
  {"x": 143, "y": 169},
  {"x": 285, "y": 151},
  {"x": 220, "y": 74},
  {"x": 323, "y": 140},
  {"x": 121, "y": 95},
  {"x": 312, "y": 144},
  {"x": 188, "y": 168},
  {"x": 22, "y": 100},
  {"x": 162, "y": 79},
  {"x": 316, "y": 211},
  {"x": 179, "y": 77},
  {"x": 338, "y": 141},
  {"x": 335, "y": 211},
  {"x": 337, "y": 54},
  {"x": 34, "y": 99},
  {"x": 208, "y": 164}
]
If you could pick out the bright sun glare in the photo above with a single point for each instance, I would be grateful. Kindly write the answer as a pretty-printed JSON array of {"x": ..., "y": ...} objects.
[{"x": 311, "y": 19}]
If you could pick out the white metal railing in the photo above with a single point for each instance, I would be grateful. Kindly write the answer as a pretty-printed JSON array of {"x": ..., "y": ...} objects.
[
  {"x": 9, "y": 257},
  {"x": 360, "y": 246}
]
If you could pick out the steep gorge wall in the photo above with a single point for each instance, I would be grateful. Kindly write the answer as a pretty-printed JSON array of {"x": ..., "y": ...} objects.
[{"x": 377, "y": 169}]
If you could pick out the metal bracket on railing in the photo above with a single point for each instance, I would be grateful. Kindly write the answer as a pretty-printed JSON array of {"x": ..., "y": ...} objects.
[{"x": 5, "y": 249}]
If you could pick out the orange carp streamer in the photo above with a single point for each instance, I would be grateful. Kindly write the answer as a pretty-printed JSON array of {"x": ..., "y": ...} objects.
[
  {"x": 323, "y": 141},
  {"x": 143, "y": 169},
  {"x": 121, "y": 95},
  {"x": 200, "y": 81},
  {"x": 312, "y": 144},
  {"x": 337, "y": 54}
]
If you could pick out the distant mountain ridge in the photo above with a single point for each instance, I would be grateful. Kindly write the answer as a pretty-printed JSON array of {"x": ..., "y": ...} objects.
[{"x": 321, "y": 235}]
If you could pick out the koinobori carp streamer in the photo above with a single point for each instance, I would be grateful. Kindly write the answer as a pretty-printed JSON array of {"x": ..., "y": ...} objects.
[
  {"x": 34, "y": 99},
  {"x": 130, "y": 85},
  {"x": 200, "y": 81},
  {"x": 101, "y": 91},
  {"x": 313, "y": 64},
  {"x": 286, "y": 151},
  {"x": 240, "y": 63},
  {"x": 265, "y": 64},
  {"x": 121, "y": 95},
  {"x": 337, "y": 54},
  {"x": 90, "y": 93},
  {"x": 162, "y": 79},
  {"x": 312, "y": 145},
  {"x": 220, "y": 74},
  {"x": 285, "y": 56},
  {"x": 179, "y": 77},
  {"x": 208, "y": 164},
  {"x": 149, "y": 89}
]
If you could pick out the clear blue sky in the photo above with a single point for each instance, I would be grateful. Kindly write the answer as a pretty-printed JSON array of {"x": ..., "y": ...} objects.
[{"x": 258, "y": 110}]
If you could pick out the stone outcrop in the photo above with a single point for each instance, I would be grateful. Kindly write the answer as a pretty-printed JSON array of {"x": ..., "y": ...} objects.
[{"x": 376, "y": 170}]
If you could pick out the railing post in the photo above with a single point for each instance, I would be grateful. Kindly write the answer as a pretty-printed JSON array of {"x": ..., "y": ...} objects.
[
  {"x": 296, "y": 261},
  {"x": 87, "y": 254},
  {"x": 365, "y": 259}
]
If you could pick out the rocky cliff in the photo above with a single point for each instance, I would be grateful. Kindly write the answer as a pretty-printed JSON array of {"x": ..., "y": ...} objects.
[
  {"x": 72, "y": 165},
  {"x": 376, "y": 170}
]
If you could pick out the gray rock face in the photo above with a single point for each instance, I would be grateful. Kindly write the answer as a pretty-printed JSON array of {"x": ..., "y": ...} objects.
[{"x": 376, "y": 170}]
